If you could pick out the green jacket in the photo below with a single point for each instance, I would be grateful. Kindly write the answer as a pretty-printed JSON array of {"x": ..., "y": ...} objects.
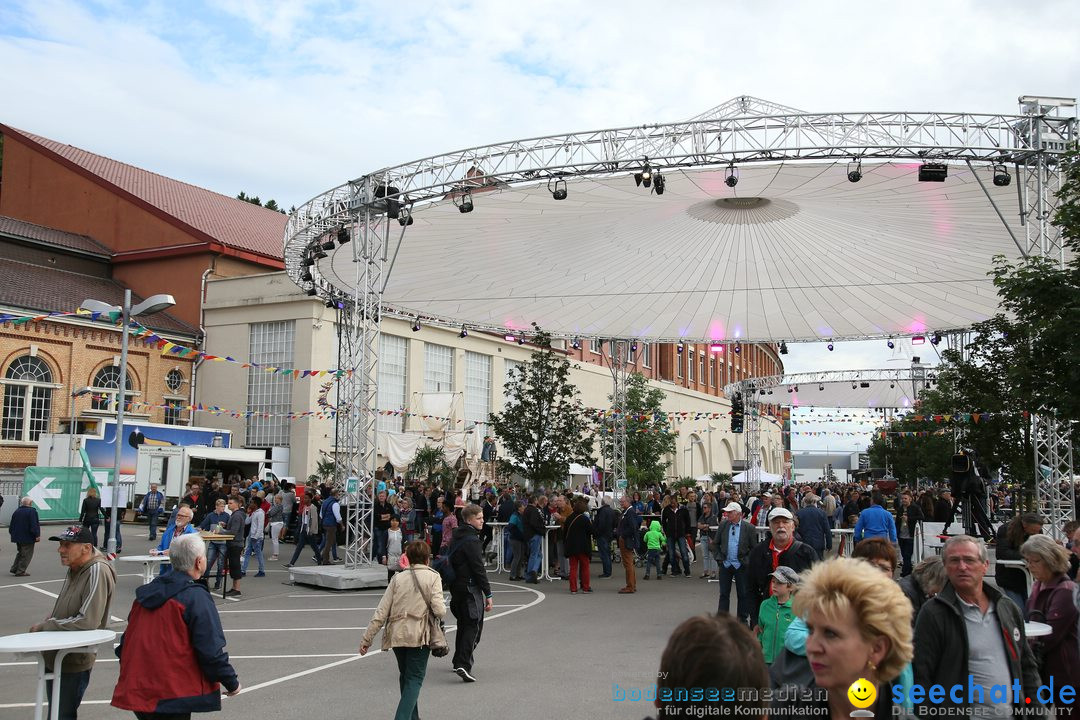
[
  {"x": 774, "y": 619},
  {"x": 655, "y": 539}
]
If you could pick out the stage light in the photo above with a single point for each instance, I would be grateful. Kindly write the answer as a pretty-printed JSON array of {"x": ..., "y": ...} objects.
[
  {"x": 405, "y": 218},
  {"x": 329, "y": 244},
  {"x": 308, "y": 262},
  {"x": 864, "y": 384},
  {"x": 679, "y": 348},
  {"x": 933, "y": 172},
  {"x": 509, "y": 338},
  {"x": 633, "y": 347},
  {"x": 820, "y": 387},
  {"x": 306, "y": 277},
  {"x": 918, "y": 340},
  {"x": 464, "y": 333},
  {"x": 853, "y": 386},
  {"x": 790, "y": 389},
  {"x": 576, "y": 344},
  {"x": 891, "y": 344},
  {"x": 830, "y": 346},
  {"x": 312, "y": 292},
  {"x": 762, "y": 391},
  {"x": 416, "y": 325},
  {"x": 783, "y": 348},
  {"x": 732, "y": 177},
  {"x": 557, "y": 188},
  {"x": 320, "y": 255},
  {"x": 466, "y": 204},
  {"x": 935, "y": 338},
  {"x": 1002, "y": 178},
  {"x": 796, "y": 388},
  {"x": 854, "y": 171},
  {"x": 330, "y": 303},
  {"x": 393, "y": 205},
  {"x": 646, "y": 172},
  {"x": 892, "y": 385},
  {"x": 737, "y": 349},
  {"x": 716, "y": 348},
  {"x": 659, "y": 183},
  {"x": 521, "y": 340},
  {"x": 343, "y": 236}
]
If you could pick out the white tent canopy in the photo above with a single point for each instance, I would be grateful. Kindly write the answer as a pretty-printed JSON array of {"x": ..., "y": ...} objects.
[
  {"x": 767, "y": 478},
  {"x": 794, "y": 252}
]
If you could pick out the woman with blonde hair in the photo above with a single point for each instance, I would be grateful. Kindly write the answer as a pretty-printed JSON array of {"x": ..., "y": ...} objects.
[
  {"x": 403, "y": 616},
  {"x": 90, "y": 513},
  {"x": 859, "y": 628},
  {"x": 1051, "y": 602}
]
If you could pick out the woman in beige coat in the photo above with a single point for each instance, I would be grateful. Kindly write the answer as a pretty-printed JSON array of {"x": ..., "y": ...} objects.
[{"x": 404, "y": 610}]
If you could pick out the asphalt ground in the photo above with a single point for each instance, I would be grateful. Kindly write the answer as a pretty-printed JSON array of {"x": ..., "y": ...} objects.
[{"x": 544, "y": 652}]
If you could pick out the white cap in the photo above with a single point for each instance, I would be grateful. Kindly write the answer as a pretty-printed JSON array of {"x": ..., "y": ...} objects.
[
  {"x": 733, "y": 507},
  {"x": 780, "y": 513}
]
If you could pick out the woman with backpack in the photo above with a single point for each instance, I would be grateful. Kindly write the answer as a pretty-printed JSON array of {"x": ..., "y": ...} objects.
[{"x": 410, "y": 598}]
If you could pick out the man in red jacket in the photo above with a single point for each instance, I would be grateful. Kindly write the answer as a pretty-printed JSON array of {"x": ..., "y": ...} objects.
[{"x": 172, "y": 656}]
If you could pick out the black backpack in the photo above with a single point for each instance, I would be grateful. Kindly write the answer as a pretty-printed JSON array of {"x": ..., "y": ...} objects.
[{"x": 445, "y": 568}]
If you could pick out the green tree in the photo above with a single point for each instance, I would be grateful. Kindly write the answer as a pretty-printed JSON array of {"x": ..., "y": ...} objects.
[
  {"x": 271, "y": 204},
  {"x": 913, "y": 457},
  {"x": 648, "y": 432},
  {"x": 543, "y": 426}
]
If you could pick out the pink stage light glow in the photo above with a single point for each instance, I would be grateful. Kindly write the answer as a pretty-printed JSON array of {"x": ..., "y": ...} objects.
[{"x": 918, "y": 340}]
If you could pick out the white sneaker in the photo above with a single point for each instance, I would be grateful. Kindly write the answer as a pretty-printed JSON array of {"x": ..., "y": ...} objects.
[{"x": 464, "y": 675}]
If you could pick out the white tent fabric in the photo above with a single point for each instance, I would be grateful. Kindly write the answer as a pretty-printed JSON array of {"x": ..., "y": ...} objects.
[
  {"x": 400, "y": 448},
  {"x": 439, "y": 412},
  {"x": 767, "y": 478},
  {"x": 793, "y": 252}
]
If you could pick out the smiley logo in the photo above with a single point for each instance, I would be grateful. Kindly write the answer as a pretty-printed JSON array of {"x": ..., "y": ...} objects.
[{"x": 862, "y": 693}]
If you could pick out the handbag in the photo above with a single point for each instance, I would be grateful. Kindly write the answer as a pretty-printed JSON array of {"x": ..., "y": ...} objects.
[{"x": 436, "y": 637}]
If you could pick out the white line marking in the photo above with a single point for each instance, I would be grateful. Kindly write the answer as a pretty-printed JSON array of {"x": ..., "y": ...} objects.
[
  {"x": 37, "y": 589},
  {"x": 308, "y": 610},
  {"x": 236, "y": 630},
  {"x": 316, "y": 595},
  {"x": 540, "y": 597},
  {"x": 99, "y": 661},
  {"x": 30, "y": 705}
]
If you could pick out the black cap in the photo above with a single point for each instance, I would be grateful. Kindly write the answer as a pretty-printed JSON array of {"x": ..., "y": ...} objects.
[{"x": 75, "y": 534}]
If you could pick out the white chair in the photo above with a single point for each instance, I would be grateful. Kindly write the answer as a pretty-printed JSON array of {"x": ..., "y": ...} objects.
[{"x": 927, "y": 541}]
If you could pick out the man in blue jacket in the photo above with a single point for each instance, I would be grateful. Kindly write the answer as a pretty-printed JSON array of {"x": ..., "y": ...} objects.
[
  {"x": 25, "y": 530},
  {"x": 172, "y": 655},
  {"x": 875, "y": 521}
]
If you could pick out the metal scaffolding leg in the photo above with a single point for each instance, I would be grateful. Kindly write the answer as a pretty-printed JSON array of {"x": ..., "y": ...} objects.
[
  {"x": 1040, "y": 179},
  {"x": 752, "y": 435},
  {"x": 619, "y": 374}
]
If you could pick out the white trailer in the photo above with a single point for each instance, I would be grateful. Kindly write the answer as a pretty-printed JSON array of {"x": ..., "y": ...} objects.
[{"x": 171, "y": 467}]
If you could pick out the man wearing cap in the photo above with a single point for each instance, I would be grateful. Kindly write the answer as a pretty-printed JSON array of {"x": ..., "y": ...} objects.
[
  {"x": 780, "y": 549},
  {"x": 735, "y": 538},
  {"x": 83, "y": 604}
]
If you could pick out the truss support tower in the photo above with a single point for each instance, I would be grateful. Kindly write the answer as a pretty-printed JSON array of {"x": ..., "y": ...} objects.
[
  {"x": 618, "y": 355},
  {"x": 752, "y": 434},
  {"x": 1047, "y": 129}
]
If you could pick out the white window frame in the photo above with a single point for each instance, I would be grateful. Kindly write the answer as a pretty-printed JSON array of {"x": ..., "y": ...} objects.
[
  {"x": 31, "y": 427},
  {"x": 393, "y": 381},
  {"x": 596, "y": 347},
  {"x": 270, "y": 343},
  {"x": 477, "y": 388},
  {"x": 438, "y": 368},
  {"x": 646, "y": 355}
]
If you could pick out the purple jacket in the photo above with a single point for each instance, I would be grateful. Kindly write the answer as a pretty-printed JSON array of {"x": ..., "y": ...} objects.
[{"x": 1052, "y": 603}]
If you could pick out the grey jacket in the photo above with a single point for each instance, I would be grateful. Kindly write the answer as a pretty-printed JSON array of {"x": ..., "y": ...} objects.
[{"x": 747, "y": 540}]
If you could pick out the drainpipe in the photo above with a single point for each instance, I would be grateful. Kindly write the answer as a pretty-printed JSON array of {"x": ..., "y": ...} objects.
[{"x": 202, "y": 331}]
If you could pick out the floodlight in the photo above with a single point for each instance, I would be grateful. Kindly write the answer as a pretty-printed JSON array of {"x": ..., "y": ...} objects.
[
  {"x": 416, "y": 325},
  {"x": 1002, "y": 178},
  {"x": 557, "y": 188},
  {"x": 732, "y": 177},
  {"x": 933, "y": 172},
  {"x": 463, "y": 333},
  {"x": 783, "y": 348},
  {"x": 343, "y": 235}
]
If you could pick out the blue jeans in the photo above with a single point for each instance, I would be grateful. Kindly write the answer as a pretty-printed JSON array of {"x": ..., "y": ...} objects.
[
  {"x": 215, "y": 552},
  {"x": 412, "y": 666},
  {"x": 652, "y": 559},
  {"x": 379, "y": 542},
  {"x": 677, "y": 547},
  {"x": 603, "y": 546},
  {"x": 303, "y": 539},
  {"x": 153, "y": 515},
  {"x": 725, "y": 575},
  {"x": 536, "y": 557},
  {"x": 72, "y": 687},
  {"x": 508, "y": 549},
  {"x": 254, "y": 547},
  {"x": 108, "y": 534}
]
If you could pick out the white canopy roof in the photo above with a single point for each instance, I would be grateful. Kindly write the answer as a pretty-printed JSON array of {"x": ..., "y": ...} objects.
[{"x": 794, "y": 252}]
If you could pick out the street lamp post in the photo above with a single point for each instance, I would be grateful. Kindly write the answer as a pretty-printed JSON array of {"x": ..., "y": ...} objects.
[{"x": 149, "y": 306}]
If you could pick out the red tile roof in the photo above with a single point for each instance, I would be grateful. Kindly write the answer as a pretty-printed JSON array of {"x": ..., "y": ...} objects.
[
  {"x": 22, "y": 230},
  {"x": 231, "y": 222},
  {"x": 41, "y": 289}
]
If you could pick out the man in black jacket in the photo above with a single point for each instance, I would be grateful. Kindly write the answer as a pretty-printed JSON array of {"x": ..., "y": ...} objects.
[
  {"x": 534, "y": 537},
  {"x": 970, "y": 635},
  {"x": 470, "y": 593},
  {"x": 604, "y": 527},
  {"x": 907, "y": 527},
  {"x": 780, "y": 549}
]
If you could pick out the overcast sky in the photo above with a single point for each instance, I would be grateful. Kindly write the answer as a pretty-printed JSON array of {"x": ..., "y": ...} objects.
[{"x": 285, "y": 99}]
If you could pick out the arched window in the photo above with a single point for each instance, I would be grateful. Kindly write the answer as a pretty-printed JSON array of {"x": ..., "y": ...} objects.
[
  {"x": 106, "y": 383},
  {"x": 27, "y": 399},
  {"x": 174, "y": 379}
]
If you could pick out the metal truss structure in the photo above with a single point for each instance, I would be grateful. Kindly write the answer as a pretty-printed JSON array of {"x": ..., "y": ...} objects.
[
  {"x": 617, "y": 359},
  {"x": 356, "y": 419},
  {"x": 747, "y": 130},
  {"x": 752, "y": 437}
]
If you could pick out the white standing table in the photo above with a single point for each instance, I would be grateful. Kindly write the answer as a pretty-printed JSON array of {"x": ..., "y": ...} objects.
[
  {"x": 37, "y": 644},
  {"x": 150, "y": 563},
  {"x": 497, "y": 540},
  {"x": 1037, "y": 629}
]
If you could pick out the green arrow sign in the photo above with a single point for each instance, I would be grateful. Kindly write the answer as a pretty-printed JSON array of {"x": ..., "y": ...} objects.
[
  {"x": 351, "y": 484},
  {"x": 57, "y": 492}
]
